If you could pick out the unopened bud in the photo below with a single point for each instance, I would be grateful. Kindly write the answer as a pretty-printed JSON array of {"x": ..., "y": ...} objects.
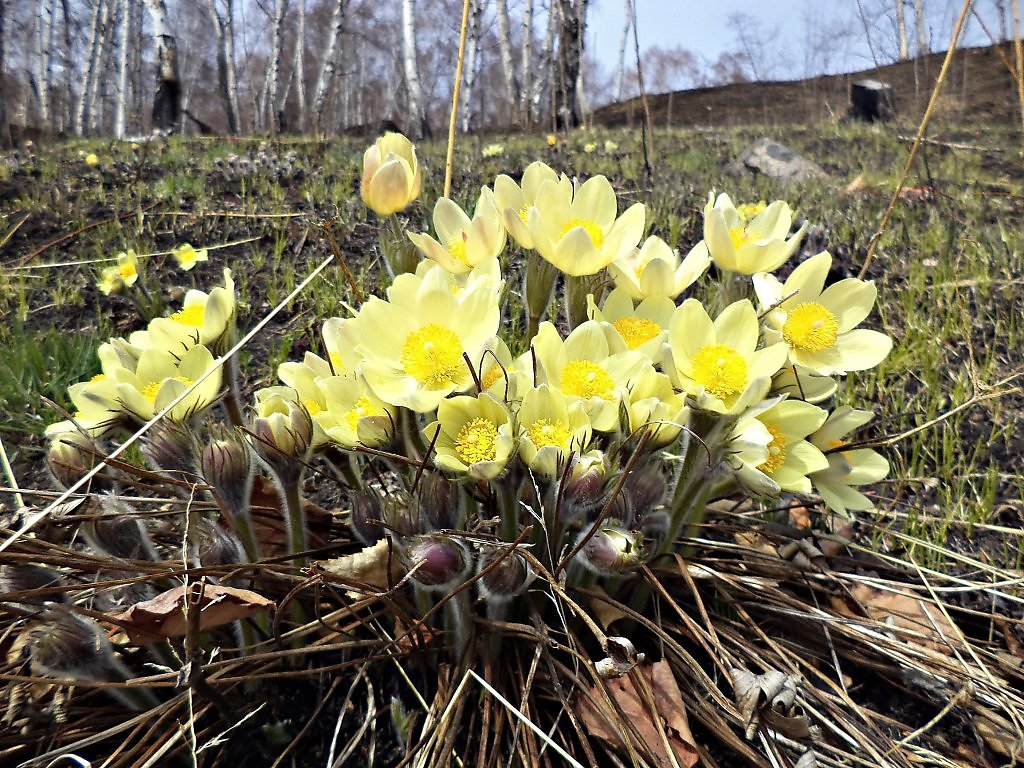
[
  {"x": 29, "y": 576},
  {"x": 504, "y": 574},
  {"x": 583, "y": 495},
  {"x": 367, "y": 513},
  {"x": 69, "y": 645},
  {"x": 401, "y": 514},
  {"x": 612, "y": 550},
  {"x": 439, "y": 501},
  {"x": 654, "y": 526},
  {"x": 119, "y": 533},
  {"x": 227, "y": 467},
  {"x": 171, "y": 447},
  {"x": 645, "y": 487},
  {"x": 219, "y": 546},
  {"x": 69, "y": 457},
  {"x": 437, "y": 562},
  {"x": 540, "y": 278},
  {"x": 283, "y": 433}
]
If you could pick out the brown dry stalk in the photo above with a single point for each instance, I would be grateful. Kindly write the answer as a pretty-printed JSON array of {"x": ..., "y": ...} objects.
[{"x": 455, "y": 100}]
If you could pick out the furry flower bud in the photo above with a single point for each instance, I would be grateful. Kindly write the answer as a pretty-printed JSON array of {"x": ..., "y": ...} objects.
[
  {"x": 283, "y": 432},
  {"x": 438, "y": 562},
  {"x": 367, "y": 512},
  {"x": 612, "y": 550},
  {"x": 438, "y": 501},
  {"x": 69, "y": 457},
  {"x": 227, "y": 467},
  {"x": 171, "y": 447},
  {"x": 504, "y": 575}
]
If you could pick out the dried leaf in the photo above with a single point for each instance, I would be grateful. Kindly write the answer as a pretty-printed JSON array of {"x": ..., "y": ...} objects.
[
  {"x": 603, "y": 722},
  {"x": 771, "y": 698},
  {"x": 164, "y": 616},
  {"x": 998, "y": 733},
  {"x": 602, "y": 611},
  {"x": 368, "y": 566},
  {"x": 911, "y": 618}
]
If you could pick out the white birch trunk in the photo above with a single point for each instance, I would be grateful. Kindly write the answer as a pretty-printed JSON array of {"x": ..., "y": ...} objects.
[
  {"x": 274, "y": 73},
  {"x": 300, "y": 68},
  {"x": 5, "y": 127},
  {"x": 93, "y": 102},
  {"x": 620, "y": 77},
  {"x": 329, "y": 66},
  {"x": 121, "y": 106},
  {"x": 89, "y": 75},
  {"x": 508, "y": 67},
  {"x": 417, "y": 115},
  {"x": 43, "y": 61},
  {"x": 901, "y": 30},
  {"x": 922, "y": 27},
  {"x": 223, "y": 28},
  {"x": 167, "y": 101},
  {"x": 526, "y": 65},
  {"x": 545, "y": 72},
  {"x": 476, "y": 8}
]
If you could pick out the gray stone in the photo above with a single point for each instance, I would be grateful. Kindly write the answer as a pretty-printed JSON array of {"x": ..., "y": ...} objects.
[{"x": 776, "y": 161}]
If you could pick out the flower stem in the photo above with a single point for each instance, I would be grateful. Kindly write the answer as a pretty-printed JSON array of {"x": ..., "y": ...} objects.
[
  {"x": 232, "y": 398},
  {"x": 399, "y": 253},
  {"x": 291, "y": 498}
]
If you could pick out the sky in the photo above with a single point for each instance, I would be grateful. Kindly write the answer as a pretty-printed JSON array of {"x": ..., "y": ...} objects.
[{"x": 703, "y": 27}]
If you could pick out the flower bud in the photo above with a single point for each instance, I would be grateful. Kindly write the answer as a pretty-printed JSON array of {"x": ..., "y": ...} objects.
[
  {"x": 283, "y": 433},
  {"x": 583, "y": 495},
  {"x": 23, "y": 577},
  {"x": 612, "y": 550},
  {"x": 504, "y": 575},
  {"x": 645, "y": 486},
  {"x": 540, "y": 279},
  {"x": 391, "y": 174},
  {"x": 367, "y": 512},
  {"x": 171, "y": 447},
  {"x": 438, "y": 501},
  {"x": 654, "y": 526},
  {"x": 227, "y": 467},
  {"x": 438, "y": 562},
  {"x": 118, "y": 533},
  {"x": 218, "y": 546},
  {"x": 69, "y": 457}
]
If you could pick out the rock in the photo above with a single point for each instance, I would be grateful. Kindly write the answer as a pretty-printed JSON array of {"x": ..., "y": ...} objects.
[
  {"x": 871, "y": 100},
  {"x": 776, "y": 161}
]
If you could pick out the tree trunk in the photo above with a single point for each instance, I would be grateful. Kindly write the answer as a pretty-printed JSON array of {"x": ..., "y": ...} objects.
[
  {"x": 223, "y": 26},
  {"x": 570, "y": 53},
  {"x": 901, "y": 30},
  {"x": 620, "y": 77},
  {"x": 922, "y": 28},
  {"x": 508, "y": 68},
  {"x": 300, "y": 69},
  {"x": 329, "y": 66},
  {"x": 167, "y": 100},
  {"x": 5, "y": 126},
  {"x": 417, "y": 113},
  {"x": 274, "y": 74},
  {"x": 93, "y": 101},
  {"x": 89, "y": 76},
  {"x": 476, "y": 9},
  {"x": 123, "y": 37},
  {"x": 43, "y": 61},
  {"x": 525, "y": 66}
]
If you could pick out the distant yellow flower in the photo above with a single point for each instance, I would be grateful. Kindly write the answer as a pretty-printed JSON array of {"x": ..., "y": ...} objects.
[
  {"x": 552, "y": 139},
  {"x": 493, "y": 150},
  {"x": 187, "y": 256},
  {"x": 818, "y": 324},
  {"x": 577, "y": 230},
  {"x": 589, "y": 147},
  {"x": 746, "y": 246},
  {"x": 656, "y": 270},
  {"x": 92, "y": 160},
  {"x": 391, "y": 174},
  {"x": 717, "y": 362},
  {"x": 464, "y": 242},
  {"x": 610, "y": 146},
  {"x": 117, "y": 277}
]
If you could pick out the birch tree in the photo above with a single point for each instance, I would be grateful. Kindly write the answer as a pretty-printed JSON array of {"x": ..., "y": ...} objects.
[
  {"x": 901, "y": 30},
  {"x": 417, "y": 113},
  {"x": 167, "y": 100},
  {"x": 124, "y": 19},
  {"x": 274, "y": 72},
  {"x": 510, "y": 78},
  {"x": 620, "y": 78},
  {"x": 89, "y": 76},
  {"x": 572, "y": 18},
  {"x": 41, "y": 76},
  {"x": 224, "y": 32},
  {"x": 329, "y": 66},
  {"x": 93, "y": 104},
  {"x": 299, "y": 68},
  {"x": 476, "y": 9},
  {"x": 922, "y": 27},
  {"x": 526, "y": 64}
]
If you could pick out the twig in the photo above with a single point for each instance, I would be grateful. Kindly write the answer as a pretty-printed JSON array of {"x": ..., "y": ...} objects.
[{"x": 455, "y": 100}]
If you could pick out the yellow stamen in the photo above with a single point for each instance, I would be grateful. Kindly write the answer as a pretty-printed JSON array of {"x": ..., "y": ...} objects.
[
  {"x": 776, "y": 450},
  {"x": 721, "y": 370},
  {"x": 363, "y": 408},
  {"x": 151, "y": 390},
  {"x": 547, "y": 432},
  {"x": 747, "y": 211},
  {"x": 523, "y": 213},
  {"x": 457, "y": 247},
  {"x": 97, "y": 377},
  {"x": 433, "y": 356},
  {"x": 312, "y": 407},
  {"x": 636, "y": 331},
  {"x": 493, "y": 375},
  {"x": 739, "y": 236},
  {"x": 594, "y": 232},
  {"x": 582, "y": 378},
  {"x": 477, "y": 441},
  {"x": 127, "y": 271},
  {"x": 193, "y": 315},
  {"x": 810, "y": 327}
]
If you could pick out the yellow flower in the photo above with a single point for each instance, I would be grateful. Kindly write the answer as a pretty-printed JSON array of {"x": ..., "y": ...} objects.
[
  {"x": 391, "y": 174},
  {"x": 493, "y": 150},
  {"x": 128, "y": 267},
  {"x": 610, "y": 146},
  {"x": 653, "y": 406},
  {"x": 748, "y": 246},
  {"x": 552, "y": 139},
  {"x": 584, "y": 368},
  {"x": 514, "y": 202},
  {"x": 207, "y": 319},
  {"x": 656, "y": 270},
  {"x": 789, "y": 457},
  {"x": 464, "y": 242},
  {"x": 818, "y": 324},
  {"x": 475, "y": 438},
  {"x": 110, "y": 281},
  {"x": 341, "y": 338},
  {"x": 718, "y": 363},
  {"x": 353, "y": 415},
  {"x": 415, "y": 343},
  {"x": 846, "y": 468},
  {"x": 589, "y": 147},
  {"x": 550, "y": 429},
  {"x": 161, "y": 376},
  {"x": 578, "y": 231},
  {"x": 92, "y": 160},
  {"x": 282, "y": 430},
  {"x": 187, "y": 256},
  {"x": 642, "y": 328}
]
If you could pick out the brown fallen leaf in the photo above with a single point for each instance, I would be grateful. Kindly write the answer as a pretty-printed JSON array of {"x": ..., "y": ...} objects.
[
  {"x": 164, "y": 616},
  {"x": 602, "y": 722},
  {"x": 913, "y": 619},
  {"x": 368, "y": 566}
]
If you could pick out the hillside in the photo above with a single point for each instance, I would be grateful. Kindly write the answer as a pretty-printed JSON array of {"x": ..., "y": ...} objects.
[{"x": 979, "y": 87}]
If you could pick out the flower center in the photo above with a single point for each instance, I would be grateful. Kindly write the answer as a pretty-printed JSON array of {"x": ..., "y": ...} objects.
[
  {"x": 593, "y": 231},
  {"x": 363, "y": 408},
  {"x": 337, "y": 364},
  {"x": 776, "y": 450},
  {"x": 739, "y": 236},
  {"x": 457, "y": 247},
  {"x": 582, "y": 378},
  {"x": 493, "y": 375},
  {"x": 433, "y": 356},
  {"x": 476, "y": 441},
  {"x": 810, "y": 327},
  {"x": 97, "y": 377},
  {"x": 193, "y": 315},
  {"x": 636, "y": 331},
  {"x": 721, "y": 370},
  {"x": 312, "y": 406},
  {"x": 544, "y": 432},
  {"x": 523, "y": 213},
  {"x": 151, "y": 390},
  {"x": 127, "y": 271}
]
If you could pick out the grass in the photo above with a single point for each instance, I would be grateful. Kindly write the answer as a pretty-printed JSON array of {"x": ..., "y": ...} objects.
[{"x": 947, "y": 271}]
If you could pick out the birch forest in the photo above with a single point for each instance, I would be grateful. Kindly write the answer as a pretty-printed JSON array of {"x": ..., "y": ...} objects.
[{"x": 127, "y": 67}]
